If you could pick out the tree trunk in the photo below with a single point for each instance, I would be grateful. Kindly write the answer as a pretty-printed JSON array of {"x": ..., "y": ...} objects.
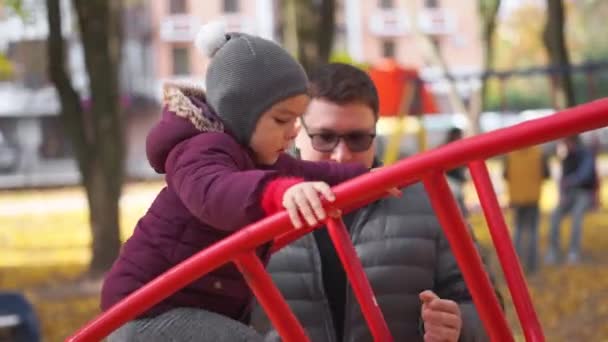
[
  {"x": 557, "y": 50},
  {"x": 100, "y": 27},
  {"x": 290, "y": 27},
  {"x": 97, "y": 133},
  {"x": 309, "y": 30},
  {"x": 488, "y": 9},
  {"x": 437, "y": 56},
  {"x": 103, "y": 200},
  {"x": 71, "y": 108},
  {"x": 327, "y": 29},
  {"x": 431, "y": 47}
]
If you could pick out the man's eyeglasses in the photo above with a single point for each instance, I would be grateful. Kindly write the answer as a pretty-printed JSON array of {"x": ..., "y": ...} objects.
[{"x": 326, "y": 141}]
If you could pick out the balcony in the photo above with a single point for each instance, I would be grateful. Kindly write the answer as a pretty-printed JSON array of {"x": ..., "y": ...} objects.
[
  {"x": 389, "y": 23},
  {"x": 183, "y": 27},
  {"x": 179, "y": 28},
  {"x": 238, "y": 23},
  {"x": 397, "y": 22},
  {"x": 437, "y": 21}
]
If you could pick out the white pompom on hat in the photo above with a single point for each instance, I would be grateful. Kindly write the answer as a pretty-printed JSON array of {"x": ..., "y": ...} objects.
[
  {"x": 211, "y": 37},
  {"x": 246, "y": 76}
]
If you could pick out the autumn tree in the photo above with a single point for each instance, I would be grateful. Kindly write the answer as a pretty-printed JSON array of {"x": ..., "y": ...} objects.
[
  {"x": 557, "y": 50},
  {"x": 488, "y": 10},
  {"x": 96, "y": 131},
  {"x": 308, "y": 30}
]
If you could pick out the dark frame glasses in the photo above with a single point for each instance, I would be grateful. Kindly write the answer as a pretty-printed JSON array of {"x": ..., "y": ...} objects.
[{"x": 327, "y": 141}]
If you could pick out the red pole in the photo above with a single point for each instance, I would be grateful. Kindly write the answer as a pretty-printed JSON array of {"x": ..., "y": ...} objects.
[
  {"x": 270, "y": 298},
  {"x": 467, "y": 256},
  {"x": 506, "y": 253},
  {"x": 355, "y": 273}
]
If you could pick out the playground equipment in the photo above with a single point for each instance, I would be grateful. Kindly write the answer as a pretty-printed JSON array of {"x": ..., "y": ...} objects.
[
  {"x": 429, "y": 167},
  {"x": 401, "y": 93}
]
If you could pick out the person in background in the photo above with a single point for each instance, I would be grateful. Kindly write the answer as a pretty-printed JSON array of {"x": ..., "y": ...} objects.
[
  {"x": 524, "y": 171},
  {"x": 457, "y": 177},
  {"x": 576, "y": 195}
]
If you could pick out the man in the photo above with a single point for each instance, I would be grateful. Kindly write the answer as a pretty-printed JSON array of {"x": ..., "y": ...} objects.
[
  {"x": 399, "y": 241},
  {"x": 576, "y": 195},
  {"x": 525, "y": 170},
  {"x": 457, "y": 177}
]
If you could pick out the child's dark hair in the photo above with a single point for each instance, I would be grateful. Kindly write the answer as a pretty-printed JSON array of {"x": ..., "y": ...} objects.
[{"x": 343, "y": 84}]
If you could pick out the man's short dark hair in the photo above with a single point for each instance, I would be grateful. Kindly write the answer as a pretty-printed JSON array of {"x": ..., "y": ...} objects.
[{"x": 344, "y": 84}]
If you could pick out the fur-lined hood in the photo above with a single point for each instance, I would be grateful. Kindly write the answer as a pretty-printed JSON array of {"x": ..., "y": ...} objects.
[{"x": 185, "y": 114}]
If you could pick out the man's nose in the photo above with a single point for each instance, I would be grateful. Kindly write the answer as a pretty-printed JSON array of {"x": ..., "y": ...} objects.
[{"x": 342, "y": 153}]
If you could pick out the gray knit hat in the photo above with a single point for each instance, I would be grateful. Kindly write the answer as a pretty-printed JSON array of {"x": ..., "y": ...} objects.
[{"x": 246, "y": 76}]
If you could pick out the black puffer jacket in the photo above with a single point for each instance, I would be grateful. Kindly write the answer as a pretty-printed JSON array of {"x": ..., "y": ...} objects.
[{"x": 403, "y": 251}]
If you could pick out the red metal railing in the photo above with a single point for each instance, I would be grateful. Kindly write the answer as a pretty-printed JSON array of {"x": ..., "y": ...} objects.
[{"x": 429, "y": 168}]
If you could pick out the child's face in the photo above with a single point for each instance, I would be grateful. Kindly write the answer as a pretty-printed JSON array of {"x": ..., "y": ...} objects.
[{"x": 276, "y": 129}]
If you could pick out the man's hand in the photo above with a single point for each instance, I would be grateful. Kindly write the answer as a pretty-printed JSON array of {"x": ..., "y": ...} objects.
[{"x": 442, "y": 318}]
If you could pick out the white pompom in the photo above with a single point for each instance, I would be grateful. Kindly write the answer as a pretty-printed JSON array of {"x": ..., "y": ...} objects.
[{"x": 211, "y": 37}]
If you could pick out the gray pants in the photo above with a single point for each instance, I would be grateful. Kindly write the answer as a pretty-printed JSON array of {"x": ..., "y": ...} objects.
[
  {"x": 526, "y": 235},
  {"x": 576, "y": 202},
  {"x": 185, "y": 325}
]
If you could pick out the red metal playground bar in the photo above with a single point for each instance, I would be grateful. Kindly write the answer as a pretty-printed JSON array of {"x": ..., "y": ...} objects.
[{"x": 428, "y": 167}]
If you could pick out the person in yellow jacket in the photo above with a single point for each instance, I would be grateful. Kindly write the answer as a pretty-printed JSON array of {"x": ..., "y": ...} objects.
[{"x": 524, "y": 171}]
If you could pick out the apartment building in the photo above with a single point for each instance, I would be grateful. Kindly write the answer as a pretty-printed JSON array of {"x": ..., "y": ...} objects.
[
  {"x": 178, "y": 21},
  {"x": 34, "y": 148},
  {"x": 157, "y": 47},
  {"x": 367, "y": 30},
  {"x": 393, "y": 28}
]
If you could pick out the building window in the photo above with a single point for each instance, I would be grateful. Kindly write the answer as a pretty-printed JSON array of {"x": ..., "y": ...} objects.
[
  {"x": 177, "y": 6},
  {"x": 388, "y": 48},
  {"x": 231, "y": 6},
  {"x": 181, "y": 61},
  {"x": 386, "y": 4},
  {"x": 431, "y": 3}
]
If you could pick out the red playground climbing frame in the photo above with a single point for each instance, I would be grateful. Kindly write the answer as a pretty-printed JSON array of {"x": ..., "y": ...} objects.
[{"x": 428, "y": 167}]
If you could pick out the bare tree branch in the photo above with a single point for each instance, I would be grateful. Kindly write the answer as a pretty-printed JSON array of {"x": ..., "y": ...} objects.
[{"x": 71, "y": 108}]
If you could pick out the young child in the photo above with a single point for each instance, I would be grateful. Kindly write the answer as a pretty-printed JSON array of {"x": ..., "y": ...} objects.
[{"x": 223, "y": 156}]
